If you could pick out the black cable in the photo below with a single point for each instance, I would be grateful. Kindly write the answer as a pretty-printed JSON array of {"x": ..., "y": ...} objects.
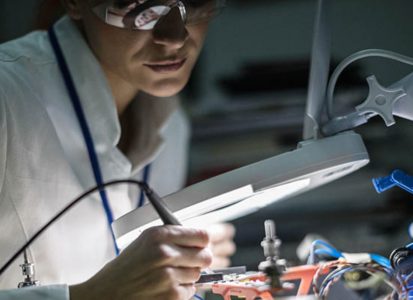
[
  {"x": 142, "y": 185},
  {"x": 160, "y": 206}
]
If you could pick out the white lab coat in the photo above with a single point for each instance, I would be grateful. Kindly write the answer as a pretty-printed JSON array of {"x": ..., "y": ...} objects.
[{"x": 44, "y": 162}]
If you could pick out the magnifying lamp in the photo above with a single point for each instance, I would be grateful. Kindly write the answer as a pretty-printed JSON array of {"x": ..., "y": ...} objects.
[
  {"x": 315, "y": 162},
  {"x": 245, "y": 190}
]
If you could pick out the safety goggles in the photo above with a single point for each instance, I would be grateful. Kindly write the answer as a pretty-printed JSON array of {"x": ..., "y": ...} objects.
[{"x": 145, "y": 14}]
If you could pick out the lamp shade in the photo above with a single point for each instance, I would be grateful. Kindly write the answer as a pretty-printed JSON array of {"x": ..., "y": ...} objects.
[{"x": 249, "y": 188}]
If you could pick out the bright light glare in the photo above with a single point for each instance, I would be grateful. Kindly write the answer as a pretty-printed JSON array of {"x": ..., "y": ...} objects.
[
  {"x": 249, "y": 205},
  {"x": 190, "y": 216},
  {"x": 278, "y": 192},
  {"x": 197, "y": 209}
]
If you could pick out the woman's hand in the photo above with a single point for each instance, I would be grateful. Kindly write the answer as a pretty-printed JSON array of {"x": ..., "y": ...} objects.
[
  {"x": 221, "y": 244},
  {"x": 163, "y": 263}
]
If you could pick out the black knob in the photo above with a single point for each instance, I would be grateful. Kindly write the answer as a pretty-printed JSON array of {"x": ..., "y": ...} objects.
[{"x": 401, "y": 260}]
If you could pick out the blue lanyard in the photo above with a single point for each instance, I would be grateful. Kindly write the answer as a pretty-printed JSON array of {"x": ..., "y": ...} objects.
[
  {"x": 74, "y": 96},
  {"x": 85, "y": 129}
]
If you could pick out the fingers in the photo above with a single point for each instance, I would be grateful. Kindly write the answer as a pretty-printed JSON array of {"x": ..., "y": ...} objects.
[
  {"x": 186, "y": 291},
  {"x": 187, "y": 237},
  {"x": 173, "y": 283},
  {"x": 177, "y": 256},
  {"x": 163, "y": 263},
  {"x": 180, "y": 292},
  {"x": 221, "y": 232},
  {"x": 174, "y": 246},
  {"x": 220, "y": 262},
  {"x": 225, "y": 248},
  {"x": 182, "y": 276},
  {"x": 162, "y": 280},
  {"x": 179, "y": 235},
  {"x": 221, "y": 244}
]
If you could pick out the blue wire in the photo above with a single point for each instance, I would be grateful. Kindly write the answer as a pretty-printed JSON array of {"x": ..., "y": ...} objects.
[
  {"x": 198, "y": 297},
  {"x": 381, "y": 260},
  {"x": 326, "y": 252},
  {"x": 338, "y": 273},
  {"x": 334, "y": 251},
  {"x": 409, "y": 246}
]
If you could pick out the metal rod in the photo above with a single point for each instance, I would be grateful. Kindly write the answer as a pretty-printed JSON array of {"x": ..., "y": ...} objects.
[{"x": 319, "y": 71}]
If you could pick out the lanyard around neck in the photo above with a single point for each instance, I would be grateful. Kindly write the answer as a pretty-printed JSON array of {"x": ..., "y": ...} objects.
[{"x": 77, "y": 106}]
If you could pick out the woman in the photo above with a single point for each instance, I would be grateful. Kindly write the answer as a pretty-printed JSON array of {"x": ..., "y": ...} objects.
[{"x": 91, "y": 101}]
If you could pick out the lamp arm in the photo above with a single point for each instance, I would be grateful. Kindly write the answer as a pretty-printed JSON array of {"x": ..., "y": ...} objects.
[
  {"x": 352, "y": 58},
  {"x": 394, "y": 100},
  {"x": 344, "y": 123}
]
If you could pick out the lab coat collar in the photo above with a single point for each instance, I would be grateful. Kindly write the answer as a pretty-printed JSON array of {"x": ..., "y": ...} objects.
[
  {"x": 95, "y": 96},
  {"x": 91, "y": 85}
]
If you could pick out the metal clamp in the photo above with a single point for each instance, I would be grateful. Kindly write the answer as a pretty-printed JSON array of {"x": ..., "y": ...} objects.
[{"x": 29, "y": 273}]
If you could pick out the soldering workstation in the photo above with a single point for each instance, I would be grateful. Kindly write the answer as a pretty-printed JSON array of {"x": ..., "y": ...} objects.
[{"x": 330, "y": 150}]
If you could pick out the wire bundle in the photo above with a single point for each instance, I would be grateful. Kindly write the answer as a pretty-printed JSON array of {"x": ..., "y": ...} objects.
[
  {"x": 331, "y": 272},
  {"x": 337, "y": 269}
]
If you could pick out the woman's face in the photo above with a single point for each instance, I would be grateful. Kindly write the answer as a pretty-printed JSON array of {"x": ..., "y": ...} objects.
[{"x": 158, "y": 61}]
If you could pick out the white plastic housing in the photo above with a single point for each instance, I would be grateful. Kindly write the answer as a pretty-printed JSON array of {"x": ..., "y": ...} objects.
[{"x": 247, "y": 189}]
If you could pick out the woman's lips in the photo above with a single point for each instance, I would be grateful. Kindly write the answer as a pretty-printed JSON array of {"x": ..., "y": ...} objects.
[{"x": 166, "y": 66}]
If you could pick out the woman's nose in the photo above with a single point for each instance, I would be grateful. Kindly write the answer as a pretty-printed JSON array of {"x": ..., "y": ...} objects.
[{"x": 170, "y": 30}]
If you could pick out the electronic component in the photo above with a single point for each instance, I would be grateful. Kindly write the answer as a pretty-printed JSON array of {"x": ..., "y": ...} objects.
[
  {"x": 272, "y": 266},
  {"x": 208, "y": 277},
  {"x": 274, "y": 278},
  {"x": 356, "y": 271}
]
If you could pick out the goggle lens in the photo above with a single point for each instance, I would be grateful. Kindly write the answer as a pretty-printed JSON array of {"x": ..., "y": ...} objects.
[{"x": 143, "y": 15}]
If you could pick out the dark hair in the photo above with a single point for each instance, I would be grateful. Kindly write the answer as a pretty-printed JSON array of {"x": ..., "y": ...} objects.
[{"x": 49, "y": 11}]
